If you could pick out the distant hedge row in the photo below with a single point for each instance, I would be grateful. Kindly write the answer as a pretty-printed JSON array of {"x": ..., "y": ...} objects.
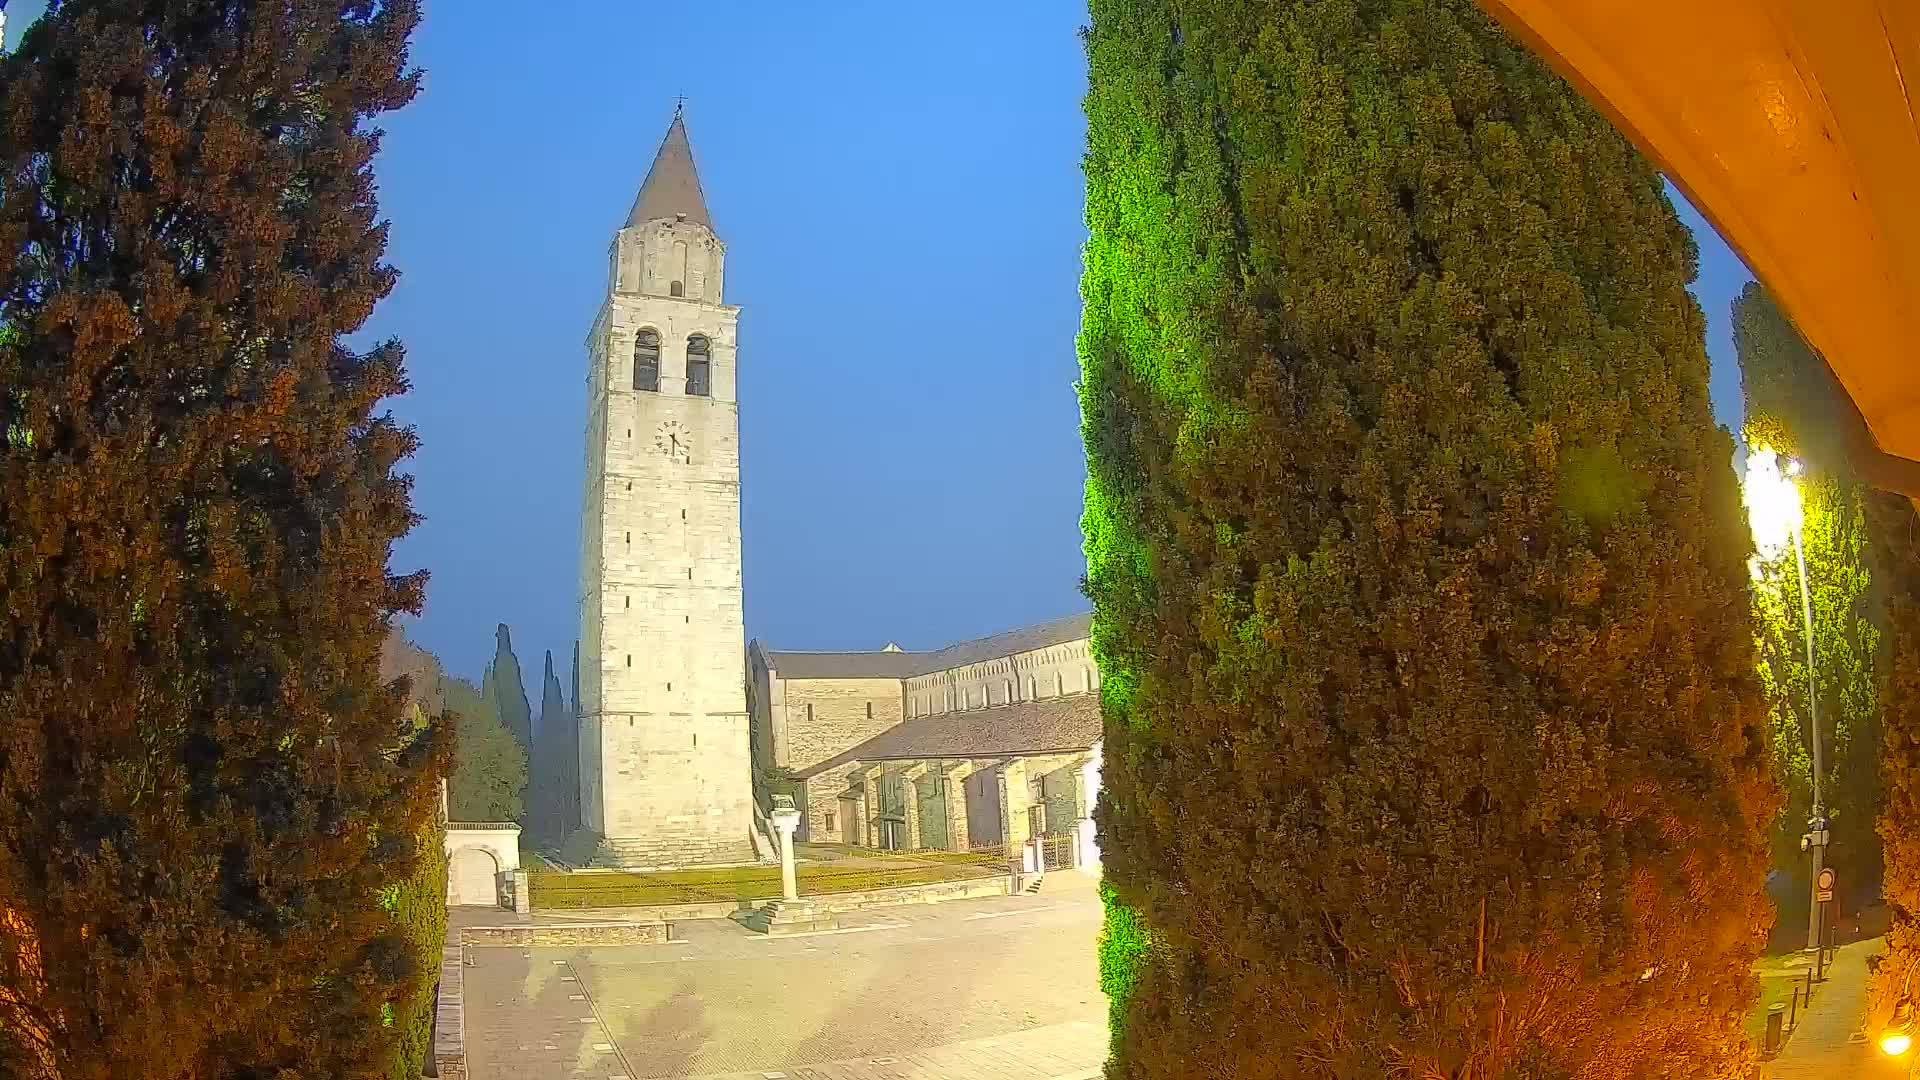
[
  {"x": 560, "y": 889},
  {"x": 1431, "y": 713}
]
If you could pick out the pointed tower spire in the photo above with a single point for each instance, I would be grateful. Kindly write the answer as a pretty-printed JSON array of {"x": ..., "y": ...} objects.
[{"x": 673, "y": 186}]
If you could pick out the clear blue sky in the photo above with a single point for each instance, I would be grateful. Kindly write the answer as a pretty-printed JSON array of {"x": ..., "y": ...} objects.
[{"x": 899, "y": 189}]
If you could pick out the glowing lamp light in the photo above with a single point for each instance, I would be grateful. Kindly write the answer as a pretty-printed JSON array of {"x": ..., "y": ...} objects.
[
  {"x": 1773, "y": 502},
  {"x": 1896, "y": 1043}
]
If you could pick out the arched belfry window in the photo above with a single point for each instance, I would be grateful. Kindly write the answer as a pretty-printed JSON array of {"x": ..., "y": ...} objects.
[
  {"x": 646, "y": 360},
  {"x": 699, "y": 367}
]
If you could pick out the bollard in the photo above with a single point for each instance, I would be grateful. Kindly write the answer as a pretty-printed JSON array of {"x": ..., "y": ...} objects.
[
  {"x": 1776, "y": 1025},
  {"x": 1793, "y": 1018}
]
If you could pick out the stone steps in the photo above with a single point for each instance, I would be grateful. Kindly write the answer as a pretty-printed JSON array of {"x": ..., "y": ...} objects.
[{"x": 660, "y": 853}]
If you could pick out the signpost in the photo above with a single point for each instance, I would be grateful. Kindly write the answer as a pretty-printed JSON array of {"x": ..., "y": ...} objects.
[{"x": 1823, "y": 896}]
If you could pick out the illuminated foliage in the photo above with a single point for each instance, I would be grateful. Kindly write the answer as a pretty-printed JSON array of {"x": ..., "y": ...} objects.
[
  {"x": 1896, "y": 547},
  {"x": 1790, "y": 412},
  {"x": 1433, "y": 743},
  {"x": 206, "y": 786}
]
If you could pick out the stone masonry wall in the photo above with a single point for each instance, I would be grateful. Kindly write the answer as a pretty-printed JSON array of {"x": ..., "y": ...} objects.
[{"x": 844, "y": 713}]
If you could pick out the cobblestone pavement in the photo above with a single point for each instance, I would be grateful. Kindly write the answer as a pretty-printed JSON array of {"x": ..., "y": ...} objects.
[
  {"x": 1828, "y": 1044},
  {"x": 993, "y": 989}
]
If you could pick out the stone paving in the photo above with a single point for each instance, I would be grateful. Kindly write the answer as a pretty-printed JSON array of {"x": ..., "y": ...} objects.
[
  {"x": 977, "y": 989},
  {"x": 1828, "y": 1043}
]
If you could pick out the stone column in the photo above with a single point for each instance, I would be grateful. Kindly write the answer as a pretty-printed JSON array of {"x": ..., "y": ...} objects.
[
  {"x": 910, "y": 788},
  {"x": 785, "y": 821},
  {"x": 954, "y": 780},
  {"x": 1014, "y": 801},
  {"x": 870, "y": 809}
]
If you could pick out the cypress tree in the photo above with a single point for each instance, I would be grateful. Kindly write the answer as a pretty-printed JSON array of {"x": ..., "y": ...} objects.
[
  {"x": 510, "y": 691},
  {"x": 554, "y": 787},
  {"x": 1433, "y": 744},
  {"x": 1795, "y": 408},
  {"x": 1895, "y": 530},
  {"x": 205, "y": 784}
]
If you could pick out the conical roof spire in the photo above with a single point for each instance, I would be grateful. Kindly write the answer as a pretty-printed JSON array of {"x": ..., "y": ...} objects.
[{"x": 672, "y": 187}]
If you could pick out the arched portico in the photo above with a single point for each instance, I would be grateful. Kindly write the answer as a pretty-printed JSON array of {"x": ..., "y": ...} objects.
[{"x": 481, "y": 858}]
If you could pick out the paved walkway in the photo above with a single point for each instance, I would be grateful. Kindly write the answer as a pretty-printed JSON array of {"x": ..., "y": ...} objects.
[
  {"x": 998, "y": 988},
  {"x": 1059, "y": 1052},
  {"x": 1829, "y": 1044}
]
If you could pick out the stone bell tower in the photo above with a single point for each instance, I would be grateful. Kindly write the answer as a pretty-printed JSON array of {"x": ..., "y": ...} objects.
[{"x": 664, "y": 770}]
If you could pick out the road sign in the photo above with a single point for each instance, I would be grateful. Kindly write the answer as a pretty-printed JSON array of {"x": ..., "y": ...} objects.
[{"x": 1823, "y": 885}]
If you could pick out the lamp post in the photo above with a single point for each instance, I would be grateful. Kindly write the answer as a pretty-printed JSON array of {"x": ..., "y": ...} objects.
[{"x": 1775, "y": 514}]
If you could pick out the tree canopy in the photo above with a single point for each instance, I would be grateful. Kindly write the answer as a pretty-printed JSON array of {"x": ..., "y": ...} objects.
[
  {"x": 205, "y": 783},
  {"x": 1791, "y": 401},
  {"x": 1429, "y": 675},
  {"x": 489, "y": 780}
]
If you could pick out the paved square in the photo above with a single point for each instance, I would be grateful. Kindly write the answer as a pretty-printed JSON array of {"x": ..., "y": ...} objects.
[{"x": 966, "y": 990}]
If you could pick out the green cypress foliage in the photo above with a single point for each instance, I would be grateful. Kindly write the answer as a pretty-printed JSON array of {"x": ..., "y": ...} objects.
[
  {"x": 510, "y": 690},
  {"x": 554, "y": 789},
  {"x": 206, "y": 786},
  {"x": 1433, "y": 745},
  {"x": 489, "y": 779},
  {"x": 1794, "y": 407}
]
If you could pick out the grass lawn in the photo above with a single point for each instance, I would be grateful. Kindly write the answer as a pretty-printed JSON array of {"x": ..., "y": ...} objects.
[
  {"x": 558, "y": 889},
  {"x": 1778, "y": 976}
]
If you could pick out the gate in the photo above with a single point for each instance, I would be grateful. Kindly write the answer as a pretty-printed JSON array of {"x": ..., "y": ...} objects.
[{"x": 1057, "y": 850}]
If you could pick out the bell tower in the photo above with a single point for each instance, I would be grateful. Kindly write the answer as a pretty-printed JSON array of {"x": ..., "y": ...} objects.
[{"x": 664, "y": 771}]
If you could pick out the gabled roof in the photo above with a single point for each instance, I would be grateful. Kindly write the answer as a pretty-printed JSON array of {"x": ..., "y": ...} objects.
[
  {"x": 891, "y": 663},
  {"x": 843, "y": 665},
  {"x": 672, "y": 187},
  {"x": 1009, "y": 643},
  {"x": 1051, "y": 725}
]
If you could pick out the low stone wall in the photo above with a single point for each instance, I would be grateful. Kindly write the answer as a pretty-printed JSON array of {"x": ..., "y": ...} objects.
[
  {"x": 550, "y": 934},
  {"x": 450, "y": 1017}
]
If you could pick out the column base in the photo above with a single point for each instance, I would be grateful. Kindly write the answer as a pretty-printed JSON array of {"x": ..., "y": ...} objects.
[{"x": 778, "y": 917}]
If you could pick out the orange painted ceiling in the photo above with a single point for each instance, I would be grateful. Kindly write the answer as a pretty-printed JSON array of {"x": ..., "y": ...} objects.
[{"x": 1790, "y": 124}]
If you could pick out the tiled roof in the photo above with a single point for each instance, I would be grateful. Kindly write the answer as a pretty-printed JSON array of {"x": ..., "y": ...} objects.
[
  {"x": 1025, "y": 727},
  {"x": 1025, "y": 639},
  {"x": 843, "y": 665},
  {"x": 672, "y": 186},
  {"x": 892, "y": 664}
]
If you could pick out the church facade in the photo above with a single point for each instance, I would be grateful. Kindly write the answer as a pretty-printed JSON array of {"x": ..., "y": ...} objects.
[
  {"x": 992, "y": 743},
  {"x": 665, "y": 775}
]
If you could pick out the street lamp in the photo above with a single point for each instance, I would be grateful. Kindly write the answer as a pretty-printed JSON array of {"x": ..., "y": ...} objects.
[{"x": 1775, "y": 515}]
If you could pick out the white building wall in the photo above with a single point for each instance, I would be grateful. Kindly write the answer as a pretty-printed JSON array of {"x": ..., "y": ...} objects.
[{"x": 1066, "y": 668}]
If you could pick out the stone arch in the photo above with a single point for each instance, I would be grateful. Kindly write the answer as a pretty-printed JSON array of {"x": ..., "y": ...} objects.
[
  {"x": 473, "y": 878},
  {"x": 480, "y": 858}
]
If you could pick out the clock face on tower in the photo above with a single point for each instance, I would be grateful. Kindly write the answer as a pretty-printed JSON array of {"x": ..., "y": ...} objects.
[{"x": 674, "y": 441}]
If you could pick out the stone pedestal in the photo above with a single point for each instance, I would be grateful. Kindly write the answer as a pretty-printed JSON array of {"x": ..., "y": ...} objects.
[{"x": 790, "y": 917}]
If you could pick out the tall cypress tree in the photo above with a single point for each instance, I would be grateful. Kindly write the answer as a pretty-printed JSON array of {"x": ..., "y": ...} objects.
[
  {"x": 1433, "y": 740},
  {"x": 205, "y": 784},
  {"x": 553, "y": 791},
  {"x": 510, "y": 690}
]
